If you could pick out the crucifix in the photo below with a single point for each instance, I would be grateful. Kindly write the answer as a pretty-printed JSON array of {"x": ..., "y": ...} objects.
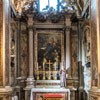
[{"x": 49, "y": 64}]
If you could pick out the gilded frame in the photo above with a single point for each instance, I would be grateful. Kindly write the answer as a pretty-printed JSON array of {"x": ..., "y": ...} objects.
[{"x": 45, "y": 36}]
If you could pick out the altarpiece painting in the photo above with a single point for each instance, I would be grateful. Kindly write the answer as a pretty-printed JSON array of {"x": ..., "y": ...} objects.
[{"x": 49, "y": 55}]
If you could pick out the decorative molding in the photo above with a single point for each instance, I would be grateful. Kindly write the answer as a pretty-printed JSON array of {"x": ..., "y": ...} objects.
[{"x": 49, "y": 26}]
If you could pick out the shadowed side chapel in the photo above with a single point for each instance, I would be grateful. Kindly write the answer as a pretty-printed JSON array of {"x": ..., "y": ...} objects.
[{"x": 49, "y": 50}]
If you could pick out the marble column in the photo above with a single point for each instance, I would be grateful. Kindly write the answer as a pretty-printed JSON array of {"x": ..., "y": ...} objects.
[
  {"x": 68, "y": 25},
  {"x": 30, "y": 80},
  {"x": 95, "y": 50},
  {"x": 80, "y": 61},
  {"x": 30, "y": 53},
  {"x": 95, "y": 43}
]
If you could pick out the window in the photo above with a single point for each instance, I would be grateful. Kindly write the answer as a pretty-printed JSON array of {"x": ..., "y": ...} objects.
[{"x": 44, "y": 5}]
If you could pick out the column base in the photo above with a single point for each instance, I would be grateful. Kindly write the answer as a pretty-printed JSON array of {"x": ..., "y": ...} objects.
[
  {"x": 30, "y": 82},
  {"x": 7, "y": 90}
]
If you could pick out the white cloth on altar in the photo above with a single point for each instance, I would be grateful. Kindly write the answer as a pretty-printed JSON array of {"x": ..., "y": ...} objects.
[
  {"x": 14, "y": 98},
  {"x": 48, "y": 90}
]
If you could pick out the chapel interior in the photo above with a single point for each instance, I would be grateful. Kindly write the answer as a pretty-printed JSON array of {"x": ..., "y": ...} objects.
[{"x": 49, "y": 50}]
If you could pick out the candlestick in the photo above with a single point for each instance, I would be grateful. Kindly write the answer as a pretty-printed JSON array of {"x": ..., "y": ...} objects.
[
  {"x": 43, "y": 75},
  {"x": 37, "y": 66},
  {"x": 37, "y": 75}
]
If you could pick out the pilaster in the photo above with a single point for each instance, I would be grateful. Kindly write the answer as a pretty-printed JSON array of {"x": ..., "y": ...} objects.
[{"x": 67, "y": 32}]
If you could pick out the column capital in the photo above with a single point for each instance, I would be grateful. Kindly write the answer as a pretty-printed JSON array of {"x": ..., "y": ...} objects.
[
  {"x": 68, "y": 21},
  {"x": 30, "y": 21}
]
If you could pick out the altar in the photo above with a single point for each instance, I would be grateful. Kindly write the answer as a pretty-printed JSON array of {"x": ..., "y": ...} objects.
[{"x": 53, "y": 93}]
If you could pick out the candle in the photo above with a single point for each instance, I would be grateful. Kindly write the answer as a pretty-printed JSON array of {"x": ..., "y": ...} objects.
[{"x": 37, "y": 66}]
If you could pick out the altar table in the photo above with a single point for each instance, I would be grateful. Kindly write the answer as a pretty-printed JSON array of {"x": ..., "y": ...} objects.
[{"x": 49, "y": 90}]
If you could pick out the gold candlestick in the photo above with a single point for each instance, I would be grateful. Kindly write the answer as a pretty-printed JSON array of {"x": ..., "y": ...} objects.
[
  {"x": 37, "y": 75},
  {"x": 43, "y": 75},
  {"x": 49, "y": 76}
]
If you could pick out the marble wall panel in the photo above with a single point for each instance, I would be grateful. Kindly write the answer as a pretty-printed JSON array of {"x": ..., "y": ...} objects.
[
  {"x": 24, "y": 51},
  {"x": 74, "y": 47}
]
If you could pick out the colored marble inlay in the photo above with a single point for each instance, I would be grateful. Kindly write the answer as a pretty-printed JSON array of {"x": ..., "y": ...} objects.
[
  {"x": 24, "y": 54},
  {"x": 74, "y": 41}
]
